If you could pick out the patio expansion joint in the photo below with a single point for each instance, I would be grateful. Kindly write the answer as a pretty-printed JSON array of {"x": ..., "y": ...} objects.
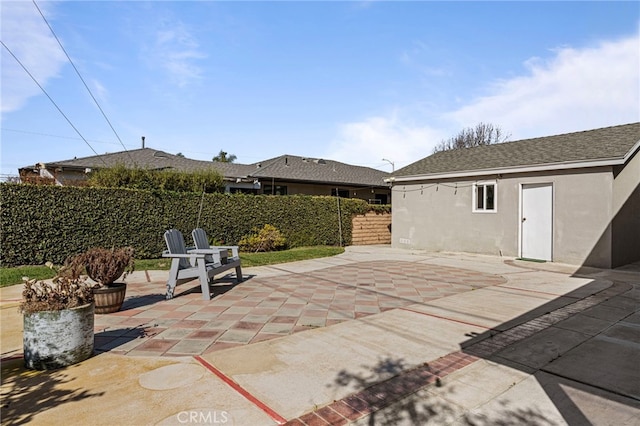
[
  {"x": 444, "y": 318},
  {"x": 499, "y": 340},
  {"x": 242, "y": 391},
  {"x": 376, "y": 397},
  {"x": 590, "y": 384}
]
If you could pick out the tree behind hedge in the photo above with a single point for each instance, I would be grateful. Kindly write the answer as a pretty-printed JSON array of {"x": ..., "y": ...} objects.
[
  {"x": 209, "y": 180},
  {"x": 482, "y": 134}
]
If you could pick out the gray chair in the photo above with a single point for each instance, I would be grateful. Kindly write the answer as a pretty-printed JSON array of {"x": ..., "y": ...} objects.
[
  {"x": 188, "y": 264},
  {"x": 219, "y": 254}
]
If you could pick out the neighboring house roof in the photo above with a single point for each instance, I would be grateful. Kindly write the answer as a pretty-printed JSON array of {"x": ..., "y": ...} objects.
[
  {"x": 291, "y": 167},
  {"x": 147, "y": 158},
  {"x": 606, "y": 146},
  {"x": 285, "y": 167}
]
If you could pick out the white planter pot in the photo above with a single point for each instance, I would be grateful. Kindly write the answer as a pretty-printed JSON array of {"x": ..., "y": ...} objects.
[{"x": 55, "y": 339}]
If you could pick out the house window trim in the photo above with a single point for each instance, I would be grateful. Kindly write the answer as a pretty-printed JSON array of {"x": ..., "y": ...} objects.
[{"x": 474, "y": 193}]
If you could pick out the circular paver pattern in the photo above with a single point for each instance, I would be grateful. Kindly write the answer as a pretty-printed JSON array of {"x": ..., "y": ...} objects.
[{"x": 265, "y": 308}]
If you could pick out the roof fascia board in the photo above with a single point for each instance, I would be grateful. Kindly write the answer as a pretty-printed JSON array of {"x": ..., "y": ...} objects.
[
  {"x": 62, "y": 166},
  {"x": 508, "y": 170},
  {"x": 267, "y": 180},
  {"x": 635, "y": 148}
]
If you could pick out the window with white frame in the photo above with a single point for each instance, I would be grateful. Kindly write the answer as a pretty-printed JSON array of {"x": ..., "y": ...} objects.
[{"x": 484, "y": 196}]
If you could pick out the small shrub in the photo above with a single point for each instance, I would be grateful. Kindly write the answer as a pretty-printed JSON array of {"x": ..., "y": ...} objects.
[{"x": 266, "y": 239}]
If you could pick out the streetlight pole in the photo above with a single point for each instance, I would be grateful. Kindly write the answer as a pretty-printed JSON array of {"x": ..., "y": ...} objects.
[{"x": 393, "y": 165}]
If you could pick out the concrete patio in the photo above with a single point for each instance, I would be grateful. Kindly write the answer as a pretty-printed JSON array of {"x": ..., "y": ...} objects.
[{"x": 373, "y": 336}]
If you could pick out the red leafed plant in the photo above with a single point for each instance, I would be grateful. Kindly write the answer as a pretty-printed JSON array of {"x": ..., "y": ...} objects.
[{"x": 105, "y": 265}]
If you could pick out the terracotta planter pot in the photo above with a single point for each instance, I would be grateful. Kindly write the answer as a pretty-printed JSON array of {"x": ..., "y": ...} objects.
[
  {"x": 56, "y": 339},
  {"x": 109, "y": 299}
]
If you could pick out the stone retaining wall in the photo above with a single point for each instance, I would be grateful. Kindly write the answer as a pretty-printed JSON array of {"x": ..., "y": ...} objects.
[{"x": 371, "y": 228}]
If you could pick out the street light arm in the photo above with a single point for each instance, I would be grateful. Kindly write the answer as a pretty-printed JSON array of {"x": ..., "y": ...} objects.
[{"x": 393, "y": 165}]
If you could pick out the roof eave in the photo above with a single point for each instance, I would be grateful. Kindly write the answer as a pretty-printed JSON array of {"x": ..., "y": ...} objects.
[
  {"x": 319, "y": 182},
  {"x": 519, "y": 169},
  {"x": 613, "y": 161},
  {"x": 61, "y": 166}
]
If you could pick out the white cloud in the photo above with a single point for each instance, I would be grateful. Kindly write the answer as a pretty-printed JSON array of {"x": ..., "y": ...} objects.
[
  {"x": 366, "y": 142},
  {"x": 99, "y": 90},
  {"x": 576, "y": 89},
  {"x": 176, "y": 50},
  {"x": 27, "y": 35}
]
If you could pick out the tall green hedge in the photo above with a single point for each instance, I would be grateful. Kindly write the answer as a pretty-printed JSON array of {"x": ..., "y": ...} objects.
[{"x": 48, "y": 223}]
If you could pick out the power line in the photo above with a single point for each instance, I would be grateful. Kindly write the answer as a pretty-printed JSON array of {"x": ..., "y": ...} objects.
[
  {"x": 53, "y": 136},
  {"x": 51, "y": 99},
  {"x": 82, "y": 79}
]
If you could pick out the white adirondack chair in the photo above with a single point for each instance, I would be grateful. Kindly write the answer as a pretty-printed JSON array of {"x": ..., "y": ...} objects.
[{"x": 188, "y": 264}]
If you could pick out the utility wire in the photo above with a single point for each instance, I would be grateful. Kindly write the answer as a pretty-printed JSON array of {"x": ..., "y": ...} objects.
[
  {"x": 52, "y": 101},
  {"x": 53, "y": 136},
  {"x": 83, "y": 82}
]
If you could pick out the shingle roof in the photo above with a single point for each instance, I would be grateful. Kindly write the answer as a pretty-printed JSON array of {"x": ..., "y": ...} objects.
[
  {"x": 152, "y": 159},
  {"x": 285, "y": 167},
  {"x": 608, "y": 143},
  {"x": 291, "y": 167}
]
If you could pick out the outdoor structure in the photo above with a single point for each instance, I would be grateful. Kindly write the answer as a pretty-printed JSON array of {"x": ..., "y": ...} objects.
[
  {"x": 371, "y": 228},
  {"x": 571, "y": 198},
  {"x": 283, "y": 175}
]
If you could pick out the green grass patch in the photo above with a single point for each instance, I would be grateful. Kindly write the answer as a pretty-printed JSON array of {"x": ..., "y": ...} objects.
[
  {"x": 11, "y": 276},
  {"x": 161, "y": 264},
  {"x": 292, "y": 255}
]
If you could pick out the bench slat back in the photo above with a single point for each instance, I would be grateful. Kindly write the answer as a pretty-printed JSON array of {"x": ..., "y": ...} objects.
[
  {"x": 176, "y": 245},
  {"x": 200, "y": 239}
]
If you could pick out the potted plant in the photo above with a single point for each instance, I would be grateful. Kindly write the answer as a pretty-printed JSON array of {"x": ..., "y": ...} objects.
[
  {"x": 105, "y": 266},
  {"x": 57, "y": 320}
]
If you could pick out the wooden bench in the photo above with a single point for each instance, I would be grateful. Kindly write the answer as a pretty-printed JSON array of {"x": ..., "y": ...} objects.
[{"x": 188, "y": 263}]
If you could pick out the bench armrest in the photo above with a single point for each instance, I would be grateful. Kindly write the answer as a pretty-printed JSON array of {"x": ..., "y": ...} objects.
[
  {"x": 203, "y": 251},
  {"x": 234, "y": 249},
  {"x": 186, "y": 256}
]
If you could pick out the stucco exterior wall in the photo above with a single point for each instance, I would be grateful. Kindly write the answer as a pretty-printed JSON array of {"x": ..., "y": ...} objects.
[
  {"x": 439, "y": 217},
  {"x": 626, "y": 213},
  {"x": 294, "y": 188},
  {"x": 582, "y": 217},
  {"x": 65, "y": 177}
]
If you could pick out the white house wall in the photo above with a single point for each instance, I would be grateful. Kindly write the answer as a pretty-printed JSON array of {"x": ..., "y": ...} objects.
[{"x": 439, "y": 217}]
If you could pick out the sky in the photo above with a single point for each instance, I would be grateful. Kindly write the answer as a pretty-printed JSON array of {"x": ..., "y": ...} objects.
[{"x": 356, "y": 82}]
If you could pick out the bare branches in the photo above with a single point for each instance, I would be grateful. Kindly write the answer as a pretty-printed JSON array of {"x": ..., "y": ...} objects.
[{"x": 482, "y": 134}]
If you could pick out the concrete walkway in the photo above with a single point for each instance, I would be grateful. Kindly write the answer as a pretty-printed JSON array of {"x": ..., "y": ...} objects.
[{"x": 373, "y": 336}]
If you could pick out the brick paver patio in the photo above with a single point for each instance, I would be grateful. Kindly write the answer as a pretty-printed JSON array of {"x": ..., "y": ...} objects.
[{"x": 265, "y": 308}]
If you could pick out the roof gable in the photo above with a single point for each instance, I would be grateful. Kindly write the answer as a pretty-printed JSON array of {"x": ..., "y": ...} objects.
[{"x": 609, "y": 143}]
